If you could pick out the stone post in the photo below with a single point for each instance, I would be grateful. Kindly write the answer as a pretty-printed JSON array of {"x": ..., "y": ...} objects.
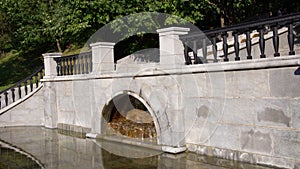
[
  {"x": 170, "y": 47},
  {"x": 50, "y": 64},
  {"x": 50, "y": 109},
  {"x": 103, "y": 57}
]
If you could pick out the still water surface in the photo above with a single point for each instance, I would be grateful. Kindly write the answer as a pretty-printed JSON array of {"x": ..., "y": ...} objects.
[{"x": 44, "y": 148}]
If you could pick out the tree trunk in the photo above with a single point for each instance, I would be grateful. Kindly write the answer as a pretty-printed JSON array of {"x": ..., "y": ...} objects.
[
  {"x": 222, "y": 18},
  {"x": 58, "y": 46}
]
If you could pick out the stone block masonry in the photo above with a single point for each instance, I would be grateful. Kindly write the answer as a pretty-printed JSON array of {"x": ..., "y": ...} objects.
[{"x": 246, "y": 110}]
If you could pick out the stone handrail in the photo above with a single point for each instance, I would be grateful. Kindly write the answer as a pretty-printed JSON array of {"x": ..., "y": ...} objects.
[
  {"x": 74, "y": 64},
  {"x": 21, "y": 88},
  {"x": 200, "y": 40}
]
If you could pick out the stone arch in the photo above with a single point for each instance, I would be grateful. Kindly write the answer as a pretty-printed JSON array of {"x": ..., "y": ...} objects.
[{"x": 110, "y": 107}]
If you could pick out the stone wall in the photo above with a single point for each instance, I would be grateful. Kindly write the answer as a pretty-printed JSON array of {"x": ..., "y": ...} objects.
[
  {"x": 252, "y": 115},
  {"x": 247, "y": 110},
  {"x": 28, "y": 111}
]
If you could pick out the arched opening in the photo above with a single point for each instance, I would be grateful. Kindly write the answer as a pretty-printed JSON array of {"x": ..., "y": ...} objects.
[{"x": 126, "y": 115}]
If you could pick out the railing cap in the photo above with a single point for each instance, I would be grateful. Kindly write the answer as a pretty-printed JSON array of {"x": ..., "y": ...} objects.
[
  {"x": 51, "y": 55},
  {"x": 102, "y": 44},
  {"x": 173, "y": 31}
]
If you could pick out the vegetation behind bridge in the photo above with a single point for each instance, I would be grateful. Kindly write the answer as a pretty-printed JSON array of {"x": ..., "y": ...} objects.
[{"x": 29, "y": 28}]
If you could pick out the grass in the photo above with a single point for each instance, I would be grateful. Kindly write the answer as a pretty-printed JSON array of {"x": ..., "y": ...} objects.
[
  {"x": 14, "y": 67},
  {"x": 75, "y": 51}
]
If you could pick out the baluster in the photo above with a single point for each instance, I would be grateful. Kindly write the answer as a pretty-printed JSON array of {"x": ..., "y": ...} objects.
[
  {"x": 291, "y": 39},
  {"x": 66, "y": 66},
  {"x": 262, "y": 43},
  {"x": 196, "y": 58},
  {"x": 276, "y": 41},
  {"x": 39, "y": 76},
  {"x": 13, "y": 96},
  {"x": 31, "y": 84},
  {"x": 91, "y": 62},
  {"x": 19, "y": 91},
  {"x": 215, "y": 48},
  {"x": 82, "y": 64},
  {"x": 225, "y": 46},
  {"x": 25, "y": 87},
  {"x": 62, "y": 67},
  {"x": 74, "y": 65},
  {"x": 58, "y": 67},
  {"x": 248, "y": 44},
  {"x": 79, "y": 65},
  {"x": 71, "y": 66},
  {"x": 186, "y": 55},
  {"x": 86, "y": 64},
  {"x": 6, "y": 98},
  {"x": 204, "y": 50},
  {"x": 236, "y": 46},
  {"x": 36, "y": 81}
]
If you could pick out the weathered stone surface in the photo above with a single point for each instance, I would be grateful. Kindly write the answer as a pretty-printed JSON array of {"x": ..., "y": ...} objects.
[
  {"x": 252, "y": 84},
  {"x": 211, "y": 110},
  {"x": 286, "y": 143},
  {"x": 273, "y": 115},
  {"x": 256, "y": 141},
  {"x": 225, "y": 136},
  {"x": 284, "y": 82},
  {"x": 238, "y": 111},
  {"x": 202, "y": 112},
  {"x": 272, "y": 112},
  {"x": 295, "y": 108},
  {"x": 194, "y": 85},
  {"x": 274, "y": 161},
  {"x": 30, "y": 112},
  {"x": 216, "y": 84}
]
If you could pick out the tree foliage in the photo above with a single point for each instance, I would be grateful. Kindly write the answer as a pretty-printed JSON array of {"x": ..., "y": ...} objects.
[{"x": 38, "y": 26}]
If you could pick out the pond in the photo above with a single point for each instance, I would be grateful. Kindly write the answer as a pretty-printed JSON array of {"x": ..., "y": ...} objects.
[{"x": 38, "y": 147}]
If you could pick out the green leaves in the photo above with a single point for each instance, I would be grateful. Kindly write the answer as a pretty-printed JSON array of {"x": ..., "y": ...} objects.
[{"x": 28, "y": 23}]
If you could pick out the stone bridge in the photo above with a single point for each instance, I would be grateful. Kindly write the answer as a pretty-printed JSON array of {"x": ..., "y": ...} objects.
[{"x": 242, "y": 103}]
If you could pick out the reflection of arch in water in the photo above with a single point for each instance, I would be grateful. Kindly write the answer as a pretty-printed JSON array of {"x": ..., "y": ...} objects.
[
  {"x": 10, "y": 147},
  {"x": 116, "y": 155},
  {"x": 115, "y": 161},
  {"x": 117, "y": 109}
]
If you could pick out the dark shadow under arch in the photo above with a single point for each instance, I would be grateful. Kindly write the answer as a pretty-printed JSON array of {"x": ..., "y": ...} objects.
[{"x": 128, "y": 116}]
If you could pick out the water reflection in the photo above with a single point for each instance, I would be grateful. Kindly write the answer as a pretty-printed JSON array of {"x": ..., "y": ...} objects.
[
  {"x": 15, "y": 158},
  {"x": 55, "y": 150}
]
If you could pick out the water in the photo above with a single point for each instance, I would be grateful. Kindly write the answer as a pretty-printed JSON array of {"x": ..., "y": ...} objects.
[{"x": 45, "y": 148}]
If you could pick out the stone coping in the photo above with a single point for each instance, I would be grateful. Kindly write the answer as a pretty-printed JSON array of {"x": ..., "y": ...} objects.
[
  {"x": 138, "y": 142},
  {"x": 159, "y": 70}
]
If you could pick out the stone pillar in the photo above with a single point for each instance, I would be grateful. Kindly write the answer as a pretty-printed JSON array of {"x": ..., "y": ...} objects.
[
  {"x": 103, "y": 57},
  {"x": 50, "y": 110},
  {"x": 170, "y": 47},
  {"x": 50, "y": 64}
]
